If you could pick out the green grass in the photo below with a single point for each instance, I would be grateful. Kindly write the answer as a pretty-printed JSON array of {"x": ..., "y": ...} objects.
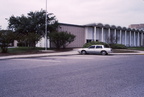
[
  {"x": 23, "y": 49},
  {"x": 29, "y": 50},
  {"x": 136, "y": 48}
]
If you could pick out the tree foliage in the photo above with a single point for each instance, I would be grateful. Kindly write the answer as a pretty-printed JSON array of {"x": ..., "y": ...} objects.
[
  {"x": 28, "y": 40},
  {"x": 6, "y": 37},
  {"x": 112, "y": 39},
  {"x": 33, "y": 23},
  {"x": 61, "y": 39},
  {"x": 95, "y": 43}
]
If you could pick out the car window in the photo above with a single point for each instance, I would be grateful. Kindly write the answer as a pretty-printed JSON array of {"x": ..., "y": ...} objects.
[
  {"x": 98, "y": 46},
  {"x": 92, "y": 47}
]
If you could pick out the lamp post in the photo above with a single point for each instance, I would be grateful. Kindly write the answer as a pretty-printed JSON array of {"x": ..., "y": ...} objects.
[{"x": 46, "y": 42}]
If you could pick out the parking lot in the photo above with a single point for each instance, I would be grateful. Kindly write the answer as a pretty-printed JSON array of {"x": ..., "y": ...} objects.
[{"x": 73, "y": 76}]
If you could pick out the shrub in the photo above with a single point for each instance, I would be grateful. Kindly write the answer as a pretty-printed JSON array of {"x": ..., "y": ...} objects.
[
  {"x": 94, "y": 43},
  {"x": 118, "y": 46},
  {"x": 61, "y": 39},
  {"x": 113, "y": 46}
]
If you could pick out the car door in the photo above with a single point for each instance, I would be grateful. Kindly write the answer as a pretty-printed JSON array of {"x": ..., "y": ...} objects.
[
  {"x": 91, "y": 49},
  {"x": 98, "y": 49}
]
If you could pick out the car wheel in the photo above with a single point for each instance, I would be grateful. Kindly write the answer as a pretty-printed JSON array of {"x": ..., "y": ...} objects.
[
  {"x": 103, "y": 52},
  {"x": 83, "y": 52}
]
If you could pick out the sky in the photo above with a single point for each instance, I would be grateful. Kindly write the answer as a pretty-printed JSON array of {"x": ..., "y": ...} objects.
[{"x": 79, "y": 12}]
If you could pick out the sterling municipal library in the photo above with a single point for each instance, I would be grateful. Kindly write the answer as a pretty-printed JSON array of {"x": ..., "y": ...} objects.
[{"x": 133, "y": 36}]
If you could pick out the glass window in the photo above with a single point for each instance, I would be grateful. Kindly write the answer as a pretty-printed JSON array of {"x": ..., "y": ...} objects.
[
  {"x": 98, "y": 46},
  {"x": 92, "y": 47},
  {"x": 88, "y": 40}
]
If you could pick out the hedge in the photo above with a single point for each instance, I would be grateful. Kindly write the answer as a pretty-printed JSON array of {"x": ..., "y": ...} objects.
[{"x": 113, "y": 46}]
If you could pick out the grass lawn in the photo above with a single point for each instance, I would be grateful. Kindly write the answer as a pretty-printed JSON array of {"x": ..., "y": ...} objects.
[
  {"x": 22, "y": 50},
  {"x": 136, "y": 48},
  {"x": 30, "y": 50},
  {"x": 128, "y": 50}
]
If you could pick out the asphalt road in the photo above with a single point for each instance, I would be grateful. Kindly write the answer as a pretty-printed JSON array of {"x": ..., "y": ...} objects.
[{"x": 73, "y": 76}]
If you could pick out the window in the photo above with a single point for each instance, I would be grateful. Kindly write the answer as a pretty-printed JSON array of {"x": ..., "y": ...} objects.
[
  {"x": 98, "y": 46},
  {"x": 88, "y": 40},
  {"x": 91, "y": 47}
]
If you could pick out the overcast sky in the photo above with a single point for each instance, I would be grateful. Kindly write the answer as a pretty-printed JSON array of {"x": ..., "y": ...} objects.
[{"x": 112, "y": 12}]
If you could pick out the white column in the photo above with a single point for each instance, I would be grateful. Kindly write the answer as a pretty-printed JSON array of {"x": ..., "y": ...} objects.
[
  {"x": 102, "y": 35},
  {"x": 142, "y": 39},
  {"x": 95, "y": 33},
  {"x": 109, "y": 35},
  {"x": 138, "y": 40},
  {"x": 125, "y": 37},
  {"x": 120, "y": 36},
  {"x": 130, "y": 38},
  {"x": 134, "y": 39},
  {"x": 115, "y": 35}
]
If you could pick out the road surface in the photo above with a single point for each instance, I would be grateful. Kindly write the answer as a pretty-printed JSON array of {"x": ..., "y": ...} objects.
[{"x": 73, "y": 76}]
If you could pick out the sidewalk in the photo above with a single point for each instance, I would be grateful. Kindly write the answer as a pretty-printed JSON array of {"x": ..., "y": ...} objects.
[
  {"x": 73, "y": 52},
  {"x": 135, "y": 53}
]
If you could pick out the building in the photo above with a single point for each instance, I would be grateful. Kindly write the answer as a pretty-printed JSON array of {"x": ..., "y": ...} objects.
[
  {"x": 77, "y": 30},
  {"x": 121, "y": 35},
  {"x": 102, "y": 32},
  {"x": 137, "y": 26}
]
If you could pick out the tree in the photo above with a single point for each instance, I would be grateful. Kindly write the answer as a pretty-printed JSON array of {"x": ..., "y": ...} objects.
[
  {"x": 34, "y": 23},
  {"x": 112, "y": 39},
  {"x": 61, "y": 39},
  {"x": 6, "y": 37},
  {"x": 28, "y": 40}
]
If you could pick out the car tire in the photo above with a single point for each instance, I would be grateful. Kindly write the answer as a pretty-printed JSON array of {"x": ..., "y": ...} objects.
[
  {"x": 104, "y": 53},
  {"x": 83, "y": 52}
]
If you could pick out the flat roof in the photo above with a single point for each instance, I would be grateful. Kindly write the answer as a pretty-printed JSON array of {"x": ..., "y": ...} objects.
[
  {"x": 102, "y": 25},
  {"x": 71, "y": 25}
]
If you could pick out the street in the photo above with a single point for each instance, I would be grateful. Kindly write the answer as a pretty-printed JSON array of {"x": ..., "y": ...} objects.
[{"x": 73, "y": 76}]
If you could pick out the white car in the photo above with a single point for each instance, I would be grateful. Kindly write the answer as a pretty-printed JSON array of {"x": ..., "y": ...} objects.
[{"x": 95, "y": 49}]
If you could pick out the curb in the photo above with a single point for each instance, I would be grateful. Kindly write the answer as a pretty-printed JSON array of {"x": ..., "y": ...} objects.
[
  {"x": 58, "y": 54},
  {"x": 127, "y": 54},
  {"x": 35, "y": 55}
]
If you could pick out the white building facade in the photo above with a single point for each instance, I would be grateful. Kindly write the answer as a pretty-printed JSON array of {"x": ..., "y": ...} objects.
[
  {"x": 120, "y": 35},
  {"x": 104, "y": 33}
]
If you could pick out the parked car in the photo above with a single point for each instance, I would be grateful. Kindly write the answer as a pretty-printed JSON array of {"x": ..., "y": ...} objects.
[{"x": 96, "y": 49}]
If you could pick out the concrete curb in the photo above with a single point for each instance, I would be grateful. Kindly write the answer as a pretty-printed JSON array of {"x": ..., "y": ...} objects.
[
  {"x": 127, "y": 54},
  {"x": 74, "y": 52},
  {"x": 38, "y": 55}
]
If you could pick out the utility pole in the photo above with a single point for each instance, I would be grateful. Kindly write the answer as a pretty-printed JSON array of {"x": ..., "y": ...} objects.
[{"x": 46, "y": 29}]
